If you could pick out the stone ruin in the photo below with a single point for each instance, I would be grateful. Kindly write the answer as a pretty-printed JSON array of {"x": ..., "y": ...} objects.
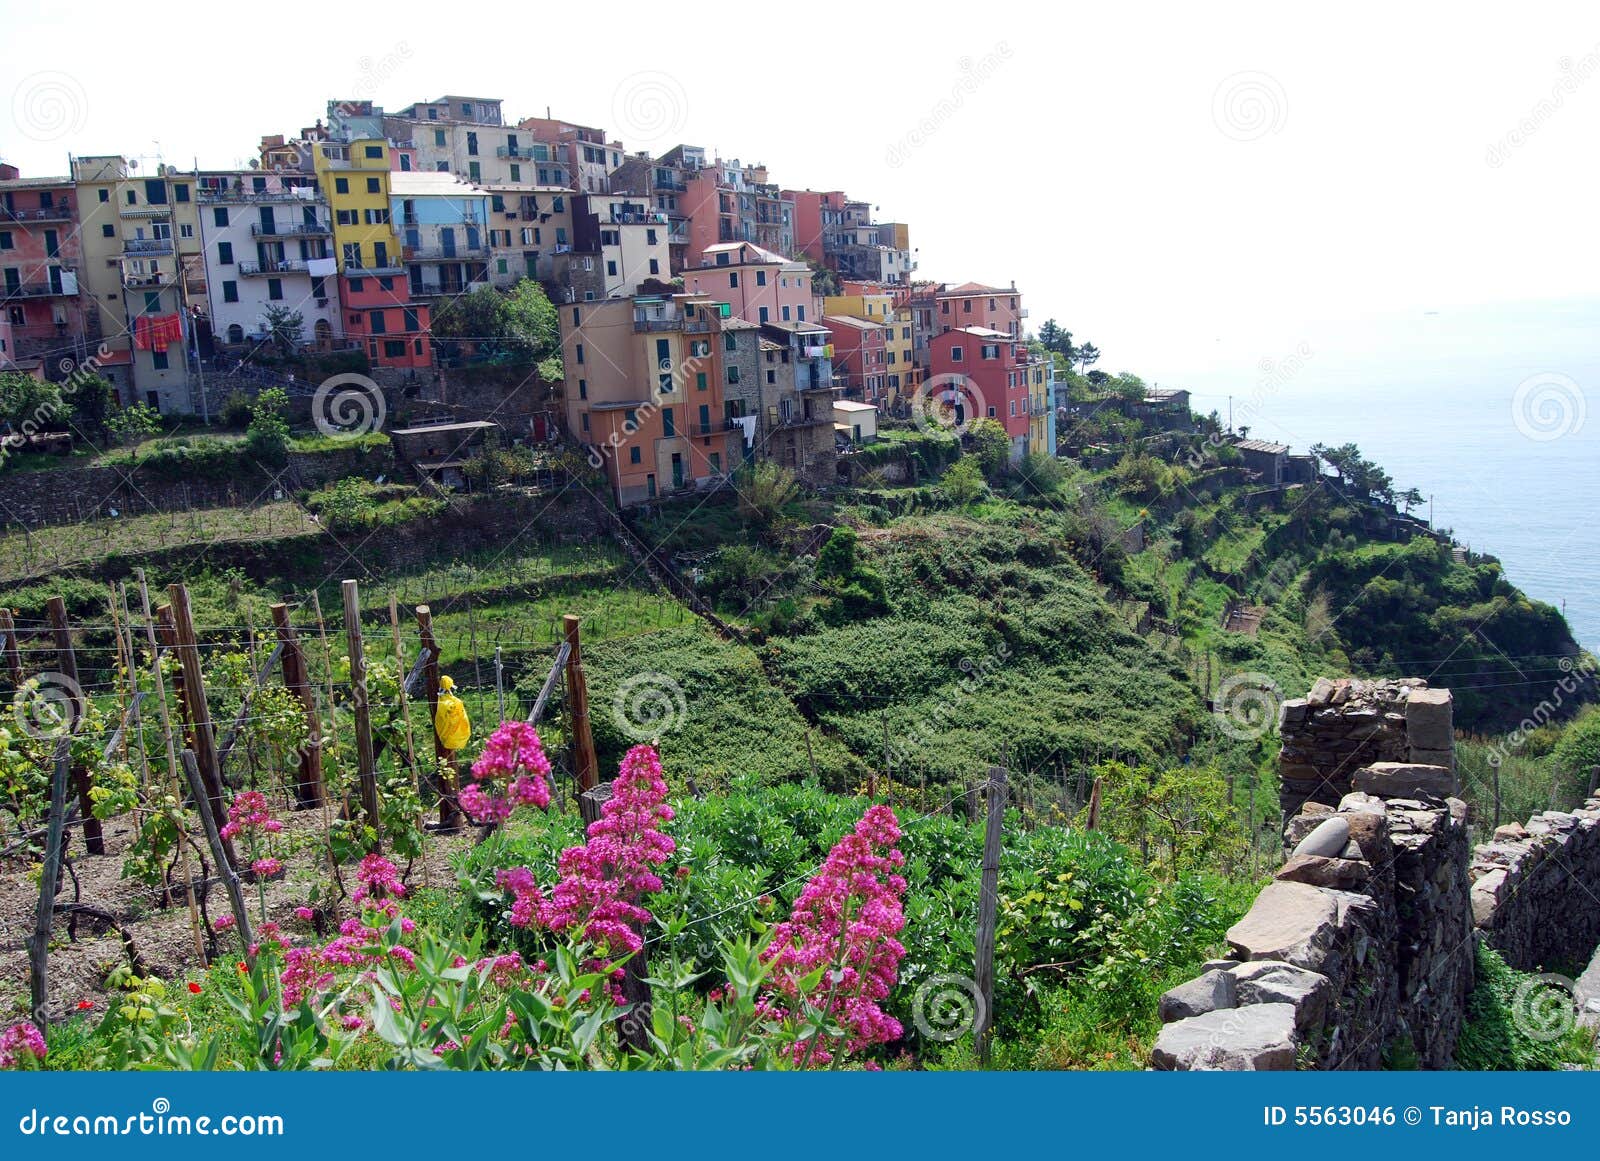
[
  {"x": 1343, "y": 726},
  {"x": 1364, "y": 942}
]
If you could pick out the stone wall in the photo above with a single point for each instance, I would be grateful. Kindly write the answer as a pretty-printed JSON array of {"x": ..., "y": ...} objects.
[
  {"x": 1534, "y": 888},
  {"x": 1363, "y": 945},
  {"x": 1343, "y": 725}
]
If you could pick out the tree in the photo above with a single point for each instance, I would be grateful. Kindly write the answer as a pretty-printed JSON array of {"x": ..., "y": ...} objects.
[
  {"x": 518, "y": 325},
  {"x": 134, "y": 424},
  {"x": 1088, "y": 355},
  {"x": 286, "y": 328},
  {"x": 532, "y": 327},
  {"x": 267, "y": 437},
  {"x": 27, "y": 404},
  {"x": 991, "y": 445},
  {"x": 1358, "y": 476},
  {"x": 963, "y": 481},
  {"x": 765, "y": 489},
  {"x": 824, "y": 282},
  {"x": 1409, "y": 499}
]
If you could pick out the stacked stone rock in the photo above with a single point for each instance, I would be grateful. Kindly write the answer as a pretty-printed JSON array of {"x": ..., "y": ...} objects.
[
  {"x": 1534, "y": 889},
  {"x": 1344, "y": 725}
]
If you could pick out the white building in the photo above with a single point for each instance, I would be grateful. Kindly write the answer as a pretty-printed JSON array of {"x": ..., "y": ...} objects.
[{"x": 268, "y": 242}]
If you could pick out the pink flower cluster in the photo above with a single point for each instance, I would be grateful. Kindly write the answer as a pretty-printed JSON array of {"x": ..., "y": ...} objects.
[
  {"x": 249, "y": 812},
  {"x": 603, "y": 881},
  {"x": 19, "y": 1043},
  {"x": 309, "y": 970},
  {"x": 846, "y": 922},
  {"x": 513, "y": 755}
]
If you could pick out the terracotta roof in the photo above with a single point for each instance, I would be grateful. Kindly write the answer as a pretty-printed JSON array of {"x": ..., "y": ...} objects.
[{"x": 967, "y": 288}]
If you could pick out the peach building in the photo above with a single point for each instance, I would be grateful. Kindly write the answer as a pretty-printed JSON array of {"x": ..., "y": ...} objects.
[{"x": 760, "y": 285}]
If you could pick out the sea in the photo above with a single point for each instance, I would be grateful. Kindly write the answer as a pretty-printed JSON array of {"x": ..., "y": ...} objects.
[{"x": 1492, "y": 412}]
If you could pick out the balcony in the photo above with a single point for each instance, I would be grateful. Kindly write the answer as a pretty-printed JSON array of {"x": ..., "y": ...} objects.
[
  {"x": 372, "y": 271},
  {"x": 146, "y": 281},
  {"x": 127, "y": 211},
  {"x": 35, "y": 290},
  {"x": 441, "y": 254},
  {"x": 42, "y": 214},
  {"x": 266, "y": 269},
  {"x": 642, "y": 218},
  {"x": 521, "y": 153},
  {"x": 294, "y": 230},
  {"x": 675, "y": 325},
  {"x": 715, "y": 427},
  {"x": 239, "y": 194},
  {"x": 147, "y": 246}
]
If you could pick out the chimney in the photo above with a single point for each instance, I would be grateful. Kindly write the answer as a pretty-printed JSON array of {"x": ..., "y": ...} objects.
[{"x": 9, "y": 172}]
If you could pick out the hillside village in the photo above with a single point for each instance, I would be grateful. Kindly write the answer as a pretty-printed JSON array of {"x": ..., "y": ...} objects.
[{"x": 692, "y": 470}]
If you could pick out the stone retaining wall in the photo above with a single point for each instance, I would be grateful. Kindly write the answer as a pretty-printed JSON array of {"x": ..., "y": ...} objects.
[
  {"x": 1341, "y": 726},
  {"x": 1363, "y": 945},
  {"x": 1535, "y": 889}
]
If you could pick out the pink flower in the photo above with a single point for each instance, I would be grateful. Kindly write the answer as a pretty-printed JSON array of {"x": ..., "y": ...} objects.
[
  {"x": 305, "y": 913},
  {"x": 267, "y": 867},
  {"x": 21, "y": 1044},
  {"x": 845, "y": 922},
  {"x": 603, "y": 880},
  {"x": 513, "y": 755},
  {"x": 224, "y": 922}
]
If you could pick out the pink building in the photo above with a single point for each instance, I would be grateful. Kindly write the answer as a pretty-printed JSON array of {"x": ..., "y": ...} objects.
[
  {"x": 974, "y": 305},
  {"x": 760, "y": 286},
  {"x": 860, "y": 362},
  {"x": 41, "y": 315},
  {"x": 984, "y": 372},
  {"x": 816, "y": 214}
]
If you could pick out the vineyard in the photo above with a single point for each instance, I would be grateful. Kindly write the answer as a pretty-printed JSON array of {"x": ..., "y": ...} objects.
[{"x": 300, "y": 845}]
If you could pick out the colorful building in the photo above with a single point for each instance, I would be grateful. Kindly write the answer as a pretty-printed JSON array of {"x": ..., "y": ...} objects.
[
  {"x": 467, "y": 137},
  {"x": 377, "y": 307},
  {"x": 979, "y": 372},
  {"x": 576, "y": 156},
  {"x": 627, "y": 238},
  {"x": 889, "y": 306},
  {"x": 797, "y": 392},
  {"x": 443, "y": 227},
  {"x": 645, "y": 391},
  {"x": 816, "y": 215},
  {"x": 144, "y": 271},
  {"x": 43, "y": 324},
  {"x": 974, "y": 305},
  {"x": 528, "y": 227},
  {"x": 860, "y": 357},
  {"x": 762, "y": 286},
  {"x": 268, "y": 243}
]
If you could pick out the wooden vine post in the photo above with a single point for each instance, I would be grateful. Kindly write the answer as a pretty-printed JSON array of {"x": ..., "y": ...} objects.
[
  {"x": 204, "y": 745},
  {"x": 988, "y": 907},
  {"x": 230, "y": 878},
  {"x": 67, "y": 664},
  {"x": 8, "y": 640},
  {"x": 172, "y": 768},
  {"x": 167, "y": 633},
  {"x": 360, "y": 701},
  {"x": 39, "y": 941},
  {"x": 296, "y": 678},
  {"x": 587, "y": 766},
  {"x": 450, "y": 817}
]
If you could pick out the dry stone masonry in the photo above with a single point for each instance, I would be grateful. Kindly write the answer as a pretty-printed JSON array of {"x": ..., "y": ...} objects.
[
  {"x": 1343, "y": 726},
  {"x": 1364, "y": 943}
]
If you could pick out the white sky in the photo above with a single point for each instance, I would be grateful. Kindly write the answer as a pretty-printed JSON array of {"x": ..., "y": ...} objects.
[{"x": 1089, "y": 166}]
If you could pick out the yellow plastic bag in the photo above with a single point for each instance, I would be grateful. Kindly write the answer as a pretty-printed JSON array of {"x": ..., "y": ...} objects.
[{"x": 450, "y": 720}]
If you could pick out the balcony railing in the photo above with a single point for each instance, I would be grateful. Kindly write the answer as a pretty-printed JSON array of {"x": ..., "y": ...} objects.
[
  {"x": 439, "y": 254},
  {"x": 257, "y": 269},
  {"x": 521, "y": 153},
  {"x": 145, "y": 281},
  {"x": 715, "y": 427},
  {"x": 373, "y": 271},
  {"x": 145, "y": 211},
  {"x": 289, "y": 194},
  {"x": 292, "y": 230},
  {"x": 688, "y": 326},
  {"x": 147, "y": 246},
  {"x": 643, "y": 218},
  {"x": 33, "y": 290},
  {"x": 42, "y": 214}
]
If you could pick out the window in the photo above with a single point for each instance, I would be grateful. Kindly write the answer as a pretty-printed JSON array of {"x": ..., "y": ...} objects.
[
  {"x": 472, "y": 145},
  {"x": 394, "y": 348},
  {"x": 579, "y": 353},
  {"x": 577, "y": 317},
  {"x": 668, "y": 425},
  {"x": 764, "y": 313},
  {"x": 699, "y": 348},
  {"x": 633, "y": 455},
  {"x": 699, "y": 380},
  {"x": 357, "y": 285},
  {"x": 705, "y": 418},
  {"x": 132, "y": 198},
  {"x": 585, "y": 418},
  {"x": 663, "y": 353},
  {"x": 516, "y": 173},
  {"x": 729, "y": 343},
  {"x": 991, "y": 412},
  {"x": 230, "y": 292},
  {"x": 722, "y": 259},
  {"x": 559, "y": 205},
  {"x": 786, "y": 314},
  {"x": 411, "y": 320},
  {"x": 475, "y": 171},
  {"x": 108, "y": 231},
  {"x": 650, "y": 237},
  {"x": 561, "y": 234},
  {"x": 761, "y": 277},
  {"x": 224, "y": 253},
  {"x": 944, "y": 308},
  {"x": 655, "y": 266},
  {"x": 733, "y": 280},
  {"x": 341, "y": 185},
  {"x": 772, "y": 376},
  {"x": 219, "y": 215},
  {"x": 105, "y": 195},
  {"x": 966, "y": 306},
  {"x": 377, "y": 217},
  {"x": 376, "y": 323},
  {"x": 438, "y": 138},
  {"x": 374, "y": 152},
  {"x": 611, "y": 268},
  {"x": 733, "y": 376},
  {"x": 155, "y": 192},
  {"x": 990, "y": 350},
  {"x": 347, "y": 217},
  {"x": 275, "y": 289},
  {"x": 152, "y": 301},
  {"x": 158, "y": 360},
  {"x": 5, "y": 240},
  {"x": 583, "y": 388},
  {"x": 374, "y": 185}
]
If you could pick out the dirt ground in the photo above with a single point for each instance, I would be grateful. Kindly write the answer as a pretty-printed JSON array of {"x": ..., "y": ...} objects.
[{"x": 162, "y": 937}]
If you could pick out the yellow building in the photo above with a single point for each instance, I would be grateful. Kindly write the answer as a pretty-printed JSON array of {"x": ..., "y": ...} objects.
[
  {"x": 876, "y": 303},
  {"x": 143, "y": 261},
  {"x": 354, "y": 177}
]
